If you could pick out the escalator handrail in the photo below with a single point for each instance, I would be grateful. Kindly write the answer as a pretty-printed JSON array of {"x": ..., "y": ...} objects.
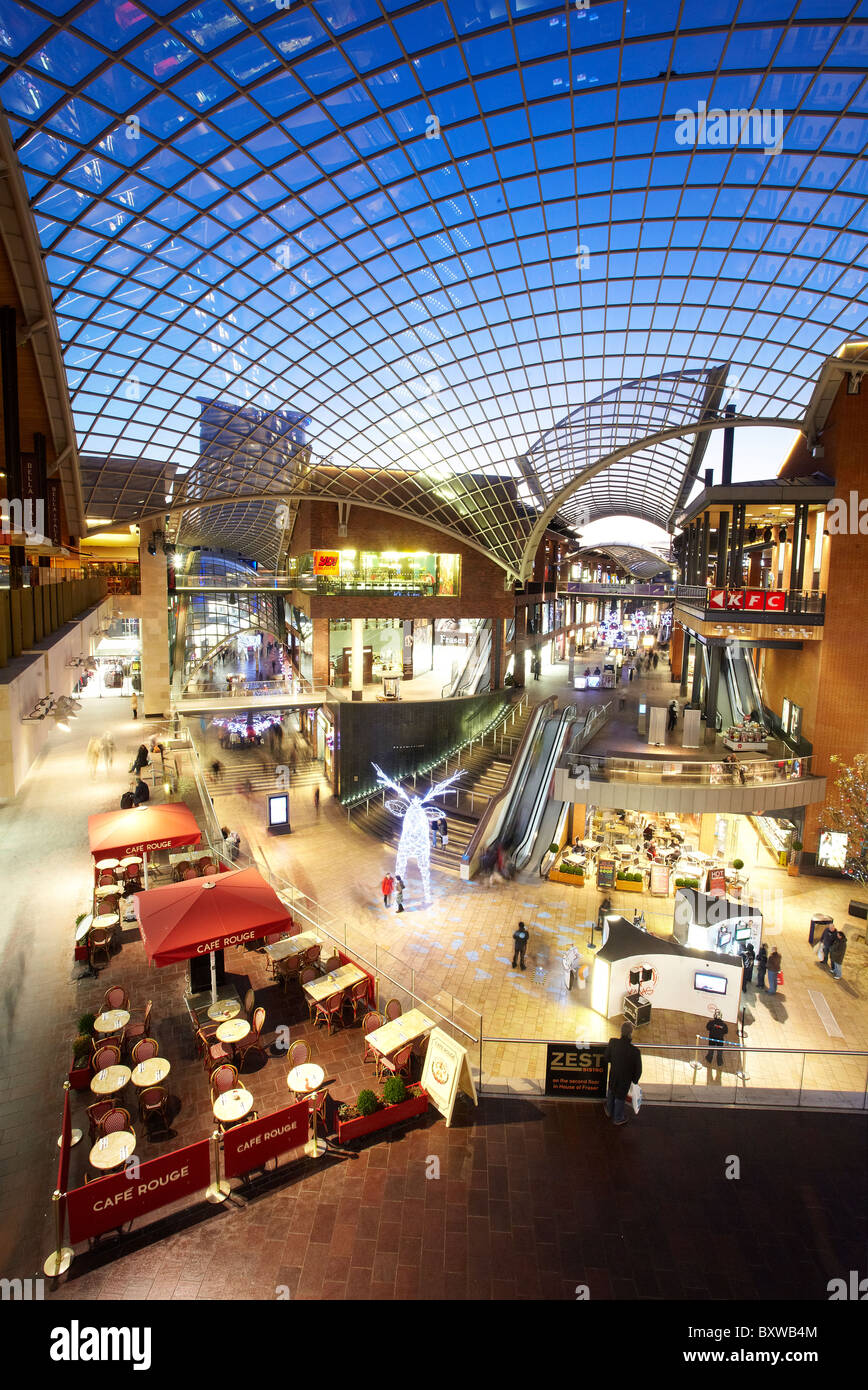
[
  {"x": 523, "y": 850},
  {"x": 481, "y": 834}
]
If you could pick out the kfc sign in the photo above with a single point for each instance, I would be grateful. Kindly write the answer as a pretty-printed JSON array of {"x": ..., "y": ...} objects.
[{"x": 747, "y": 600}]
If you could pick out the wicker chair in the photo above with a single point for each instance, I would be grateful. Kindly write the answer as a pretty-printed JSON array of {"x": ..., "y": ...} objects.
[
  {"x": 399, "y": 1065},
  {"x": 212, "y": 1051},
  {"x": 116, "y": 1120},
  {"x": 252, "y": 1042},
  {"x": 95, "y": 1115},
  {"x": 144, "y": 1050},
  {"x": 329, "y": 1009},
  {"x": 249, "y": 1001},
  {"x": 99, "y": 942},
  {"x": 223, "y": 1078},
  {"x": 312, "y": 954},
  {"x": 333, "y": 963},
  {"x": 154, "y": 1102},
  {"x": 299, "y": 1054},
  {"x": 357, "y": 999},
  {"x": 134, "y": 1032},
  {"x": 393, "y": 1010},
  {"x": 106, "y": 1055},
  {"x": 288, "y": 971}
]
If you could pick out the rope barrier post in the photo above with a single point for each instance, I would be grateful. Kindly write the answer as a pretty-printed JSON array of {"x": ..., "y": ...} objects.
[
  {"x": 696, "y": 1064},
  {"x": 219, "y": 1189},
  {"x": 74, "y": 1134},
  {"x": 61, "y": 1258}
]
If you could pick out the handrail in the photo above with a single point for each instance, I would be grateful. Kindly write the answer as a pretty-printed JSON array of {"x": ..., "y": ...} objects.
[
  {"x": 499, "y": 803},
  {"x": 676, "y": 770}
]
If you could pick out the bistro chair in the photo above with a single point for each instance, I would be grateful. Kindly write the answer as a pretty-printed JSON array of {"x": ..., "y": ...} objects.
[
  {"x": 223, "y": 1078},
  {"x": 371, "y": 1023},
  {"x": 115, "y": 997},
  {"x": 393, "y": 1010},
  {"x": 105, "y": 878},
  {"x": 249, "y": 1000},
  {"x": 309, "y": 974},
  {"x": 319, "y": 1107},
  {"x": 288, "y": 970},
  {"x": 299, "y": 1054},
  {"x": 272, "y": 966},
  {"x": 134, "y": 1032},
  {"x": 294, "y": 928},
  {"x": 252, "y": 1042},
  {"x": 333, "y": 963},
  {"x": 212, "y": 1051},
  {"x": 154, "y": 1102},
  {"x": 95, "y": 1115},
  {"x": 357, "y": 999},
  {"x": 116, "y": 1119},
  {"x": 311, "y": 955},
  {"x": 180, "y": 869},
  {"x": 399, "y": 1065},
  {"x": 106, "y": 906},
  {"x": 106, "y": 1055},
  {"x": 330, "y": 1009},
  {"x": 144, "y": 1050},
  {"x": 99, "y": 943},
  {"x": 189, "y": 874},
  {"x": 207, "y": 867}
]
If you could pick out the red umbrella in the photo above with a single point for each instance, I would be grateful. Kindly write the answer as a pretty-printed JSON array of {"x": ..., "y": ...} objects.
[
  {"x": 142, "y": 828},
  {"x": 203, "y": 915}
]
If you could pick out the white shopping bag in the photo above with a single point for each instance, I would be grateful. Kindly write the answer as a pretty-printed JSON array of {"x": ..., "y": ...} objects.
[
  {"x": 635, "y": 1095},
  {"x": 820, "y": 952}
]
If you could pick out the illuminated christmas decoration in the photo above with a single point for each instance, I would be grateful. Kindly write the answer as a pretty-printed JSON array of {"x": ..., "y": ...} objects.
[{"x": 415, "y": 842}]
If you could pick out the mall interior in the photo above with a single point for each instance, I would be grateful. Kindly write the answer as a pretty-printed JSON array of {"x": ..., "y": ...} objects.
[{"x": 434, "y": 500}]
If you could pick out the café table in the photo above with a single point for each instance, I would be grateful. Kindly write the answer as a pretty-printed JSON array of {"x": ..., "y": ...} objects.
[
  {"x": 112, "y": 1149},
  {"x": 588, "y": 844},
  {"x": 108, "y": 890},
  {"x": 105, "y": 866},
  {"x": 233, "y": 1105},
  {"x": 304, "y": 1080},
  {"x": 151, "y": 1072},
  {"x": 342, "y": 979},
  {"x": 106, "y": 921},
  {"x": 110, "y": 1080},
  {"x": 112, "y": 1021},
  {"x": 233, "y": 1030},
  {"x": 402, "y": 1030},
  {"x": 224, "y": 1009},
  {"x": 83, "y": 928},
  {"x": 291, "y": 946},
  {"x": 131, "y": 859}
]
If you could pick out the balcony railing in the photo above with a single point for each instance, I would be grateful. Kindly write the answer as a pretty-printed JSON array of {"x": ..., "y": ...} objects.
[
  {"x": 795, "y": 603},
  {"x": 616, "y": 590},
  {"x": 748, "y": 772}
]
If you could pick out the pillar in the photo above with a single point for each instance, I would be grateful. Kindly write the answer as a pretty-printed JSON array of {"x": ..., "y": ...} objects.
[
  {"x": 496, "y": 653},
  {"x": 320, "y": 645},
  {"x": 518, "y": 646},
  {"x": 357, "y": 658},
  {"x": 714, "y": 658},
  {"x": 698, "y": 663},
  {"x": 722, "y": 540},
  {"x": 155, "y": 699}
]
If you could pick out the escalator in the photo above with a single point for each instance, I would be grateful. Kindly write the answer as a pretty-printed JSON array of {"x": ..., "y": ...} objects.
[
  {"x": 530, "y": 807},
  {"x": 474, "y": 674},
  {"x": 738, "y": 692}
]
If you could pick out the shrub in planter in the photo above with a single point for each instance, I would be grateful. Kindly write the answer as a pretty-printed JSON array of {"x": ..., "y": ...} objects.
[
  {"x": 366, "y": 1103},
  {"x": 553, "y": 849},
  {"x": 687, "y": 883},
  {"x": 394, "y": 1090},
  {"x": 85, "y": 1024},
  {"x": 79, "y": 1072},
  {"x": 738, "y": 864}
]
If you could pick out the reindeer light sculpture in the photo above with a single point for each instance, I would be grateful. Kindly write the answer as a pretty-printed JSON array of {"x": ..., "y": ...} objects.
[{"x": 415, "y": 841}]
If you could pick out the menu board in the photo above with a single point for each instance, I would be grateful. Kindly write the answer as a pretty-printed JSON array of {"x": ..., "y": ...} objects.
[
  {"x": 659, "y": 885},
  {"x": 576, "y": 1069},
  {"x": 605, "y": 872},
  {"x": 446, "y": 1072},
  {"x": 717, "y": 882}
]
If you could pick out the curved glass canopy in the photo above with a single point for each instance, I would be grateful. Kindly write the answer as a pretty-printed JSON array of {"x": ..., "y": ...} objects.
[{"x": 438, "y": 230}]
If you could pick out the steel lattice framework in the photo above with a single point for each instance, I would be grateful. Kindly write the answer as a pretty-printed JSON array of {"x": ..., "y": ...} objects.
[{"x": 449, "y": 233}]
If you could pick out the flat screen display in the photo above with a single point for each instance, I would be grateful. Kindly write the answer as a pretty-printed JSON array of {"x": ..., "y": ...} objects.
[
  {"x": 278, "y": 809},
  {"x": 709, "y": 984},
  {"x": 742, "y": 933},
  {"x": 724, "y": 936}
]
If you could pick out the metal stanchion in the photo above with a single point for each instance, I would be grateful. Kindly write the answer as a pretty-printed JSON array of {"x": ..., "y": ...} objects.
[
  {"x": 219, "y": 1189},
  {"x": 696, "y": 1064},
  {"x": 74, "y": 1134},
  {"x": 61, "y": 1258}
]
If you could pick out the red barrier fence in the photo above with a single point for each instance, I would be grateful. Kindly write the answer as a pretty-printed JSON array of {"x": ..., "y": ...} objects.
[
  {"x": 250, "y": 1145},
  {"x": 372, "y": 984},
  {"x": 110, "y": 1202}
]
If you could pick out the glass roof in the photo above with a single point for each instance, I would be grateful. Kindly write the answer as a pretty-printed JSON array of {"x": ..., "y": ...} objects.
[{"x": 440, "y": 231}]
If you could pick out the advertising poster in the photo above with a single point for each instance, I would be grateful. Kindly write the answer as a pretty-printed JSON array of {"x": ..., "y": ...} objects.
[
  {"x": 251, "y": 1145},
  {"x": 327, "y": 562},
  {"x": 446, "y": 1072},
  {"x": 605, "y": 872},
  {"x": 659, "y": 886},
  {"x": 576, "y": 1069},
  {"x": 717, "y": 883}
]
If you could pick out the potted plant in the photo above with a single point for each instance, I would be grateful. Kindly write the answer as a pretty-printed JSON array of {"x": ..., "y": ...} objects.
[
  {"x": 82, "y": 1050},
  {"x": 631, "y": 881},
  {"x": 795, "y": 858},
  {"x": 370, "y": 1113},
  {"x": 687, "y": 883},
  {"x": 734, "y": 884},
  {"x": 568, "y": 873}
]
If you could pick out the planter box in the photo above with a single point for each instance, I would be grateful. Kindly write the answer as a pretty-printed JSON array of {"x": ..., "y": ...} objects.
[
  {"x": 624, "y": 885},
  {"x": 384, "y": 1117},
  {"x": 79, "y": 1078},
  {"x": 555, "y": 876}
]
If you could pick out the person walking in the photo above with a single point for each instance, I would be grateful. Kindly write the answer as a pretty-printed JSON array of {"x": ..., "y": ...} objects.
[
  {"x": 316, "y": 799},
  {"x": 386, "y": 889},
  {"x": 716, "y": 1030},
  {"x": 444, "y": 832},
  {"x": 520, "y": 936},
  {"x": 748, "y": 958},
  {"x": 774, "y": 970},
  {"x": 673, "y": 716},
  {"x": 571, "y": 961},
  {"x": 762, "y": 960},
  {"x": 134, "y": 704},
  {"x": 826, "y": 941},
  {"x": 837, "y": 953},
  {"x": 624, "y": 1061},
  {"x": 108, "y": 751},
  {"x": 92, "y": 755},
  {"x": 217, "y": 770},
  {"x": 399, "y": 893}
]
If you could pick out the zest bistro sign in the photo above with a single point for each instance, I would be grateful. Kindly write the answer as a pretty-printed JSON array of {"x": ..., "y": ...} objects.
[{"x": 110, "y": 1202}]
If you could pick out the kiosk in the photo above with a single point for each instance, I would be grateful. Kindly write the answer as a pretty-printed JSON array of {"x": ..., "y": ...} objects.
[
  {"x": 634, "y": 969},
  {"x": 705, "y": 922}
]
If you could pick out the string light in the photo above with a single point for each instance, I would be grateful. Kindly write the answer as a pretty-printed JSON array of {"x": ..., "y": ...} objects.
[{"x": 415, "y": 841}]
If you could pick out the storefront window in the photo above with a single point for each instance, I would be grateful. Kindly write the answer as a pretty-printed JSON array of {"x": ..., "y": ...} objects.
[{"x": 418, "y": 572}]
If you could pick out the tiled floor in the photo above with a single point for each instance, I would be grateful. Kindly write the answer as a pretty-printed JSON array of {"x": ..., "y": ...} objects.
[{"x": 533, "y": 1197}]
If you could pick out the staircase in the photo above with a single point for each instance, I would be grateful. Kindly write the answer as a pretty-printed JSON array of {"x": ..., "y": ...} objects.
[
  {"x": 243, "y": 773},
  {"x": 485, "y": 772}
]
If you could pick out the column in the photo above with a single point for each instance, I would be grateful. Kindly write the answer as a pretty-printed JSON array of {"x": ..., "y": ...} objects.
[
  {"x": 714, "y": 656},
  {"x": 683, "y": 657},
  {"x": 357, "y": 658},
  {"x": 722, "y": 538},
  {"x": 155, "y": 700},
  {"x": 698, "y": 663},
  {"x": 518, "y": 646},
  {"x": 496, "y": 653},
  {"x": 800, "y": 546}
]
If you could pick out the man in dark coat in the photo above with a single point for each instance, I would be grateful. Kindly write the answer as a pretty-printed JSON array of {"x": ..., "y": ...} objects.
[
  {"x": 625, "y": 1068},
  {"x": 520, "y": 937}
]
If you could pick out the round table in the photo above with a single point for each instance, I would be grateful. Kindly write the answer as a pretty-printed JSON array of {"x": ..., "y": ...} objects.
[
  {"x": 303, "y": 1080},
  {"x": 83, "y": 928},
  {"x": 105, "y": 921},
  {"x": 223, "y": 1010},
  {"x": 111, "y": 1021},
  {"x": 150, "y": 1073},
  {"x": 110, "y": 1080},
  {"x": 233, "y": 1030},
  {"x": 113, "y": 1149},
  {"x": 233, "y": 1105},
  {"x": 130, "y": 860},
  {"x": 107, "y": 865},
  {"x": 108, "y": 890}
]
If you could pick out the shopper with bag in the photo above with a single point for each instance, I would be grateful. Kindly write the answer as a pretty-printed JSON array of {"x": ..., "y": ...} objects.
[
  {"x": 386, "y": 889},
  {"x": 774, "y": 969},
  {"x": 826, "y": 942},
  {"x": 837, "y": 952},
  {"x": 625, "y": 1068},
  {"x": 762, "y": 965},
  {"x": 571, "y": 961}
]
